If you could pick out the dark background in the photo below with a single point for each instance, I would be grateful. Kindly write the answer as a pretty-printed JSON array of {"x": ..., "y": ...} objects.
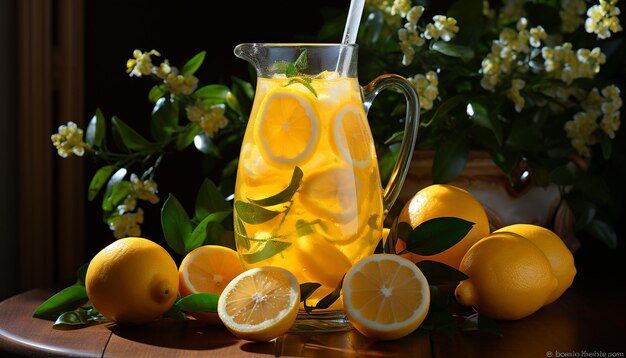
[{"x": 178, "y": 30}]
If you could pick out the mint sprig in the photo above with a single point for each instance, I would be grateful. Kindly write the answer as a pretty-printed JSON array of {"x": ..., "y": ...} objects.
[{"x": 294, "y": 71}]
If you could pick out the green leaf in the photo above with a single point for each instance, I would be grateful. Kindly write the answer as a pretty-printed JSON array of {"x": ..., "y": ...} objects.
[
  {"x": 118, "y": 192},
  {"x": 156, "y": 92},
  {"x": 244, "y": 92},
  {"x": 327, "y": 300},
  {"x": 302, "y": 62},
  {"x": 113, "y": 181},
  {"x": 605, "y": 145},
  {"x": 478, "y": 322},
  {"x": 565, "y": 174},
  {"x": 99, "y": 179},
  {"x": 67, "y": 299},
  {"x": 463, "y": 52},
  {"x": 176, "y": 225},
  {"x": 438, "y": 273},
  {"x": 209, "y": 200},
  {"x": 131, "y": 139},
  {"x": 187, "y": 135},
  {"x": 96, "y": 130},
  {"x": 304, "y": 82},
  {"x": 164, "y": 119},
  {"x": 444, "y": 108},
  {"x": 485, "y": 118},
  {"x": 270, "y": 248},
  {"x": 212, "y": 92},
  {"x": 439, "y": 319},
  {"x": 470, "y": 20},
  {"x": 193, "y": 64},
  {"x": 204, "y": 144},
  {"x": 290, "y": 70},
  {"x": 450, "y": 158},
  {"x": 198, "y": 302},
  {"x": 81, "y": 273},
  {"x": 436, "y": 235},
  {"x": 176, "y": 313},
  {"x": 307, "y": 289},
  {"x": 286, "y": 194},
  {"x": 253, "y": 214},
  {"x": 71, "y": 318},
  {"x": 395, "y": 138},
  {"x": 199, "y": 235}
]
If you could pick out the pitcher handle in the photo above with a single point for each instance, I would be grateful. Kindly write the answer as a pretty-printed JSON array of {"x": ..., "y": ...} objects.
[{"x": 411, "y": 124}]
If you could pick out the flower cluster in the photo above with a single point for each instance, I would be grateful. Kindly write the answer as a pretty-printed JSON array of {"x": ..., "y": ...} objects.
[
  {"x": 129, "y": 216},
  {"x": 69, "y": 140},
  {"x": 210, "y": 118},
  {"x": 510, "y": 53},
  {"x": 410, "y": 37},
  {"x": 582, "y": 129},
  {"x": 426, "y": 87},
  {"x": 603, "y": 19},
  {"x": 175, "y": 95},
  {"x": 562, "y": 63}
]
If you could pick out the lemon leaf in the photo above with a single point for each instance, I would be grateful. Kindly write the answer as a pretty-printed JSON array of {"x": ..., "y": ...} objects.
[
  {"x": 270, "y": 248},
  {"x": 439, "y": 273},
  {"x": 67, "y": 299},
  {"x": 327, "y": 300},
  {"x": 156, "y": 92},
  {"x": 447, "y": 231},
  {"x": 175, "y": 224},
  {"x": 439, "y": 319},
  {"x": 131, "y": 138},
  {"x": 198, "y": 302},
  {"x": 193, "y": 64},
  {"x": 286, "y": 194},
  {"x": 201, "y": 232},
  {"x": 99, "y": 179},
  {"x": 164, "y": 119},
  {"x": 218, "y": 92},
  {"x": 307, "y": 289},
  {"x": 186, "y": 136},
  {"x": 96, "y": 130},
  {"x": 478, "y": 322},
  {"x": 252, "y": 213},
  {"x": 302, "y": 62},
  {"x": 209, "y": 200}
]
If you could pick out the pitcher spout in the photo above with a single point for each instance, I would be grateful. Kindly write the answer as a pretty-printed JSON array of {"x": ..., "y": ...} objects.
[{"x": 250, "y": 52}]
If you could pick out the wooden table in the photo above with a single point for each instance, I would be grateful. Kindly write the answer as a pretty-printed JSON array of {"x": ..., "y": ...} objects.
[{"x": 587, "y": 321}]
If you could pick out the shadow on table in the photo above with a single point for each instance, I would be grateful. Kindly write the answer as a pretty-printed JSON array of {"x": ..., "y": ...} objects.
[
  {"x": 170, "y": 333},
  {"x": 341, "y": 344}
]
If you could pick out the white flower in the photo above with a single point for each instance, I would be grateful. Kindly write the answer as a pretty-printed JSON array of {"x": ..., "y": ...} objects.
[
  {"x": 141, "y": 64},
  {"x": 426, "y": 88},
  {"x": 69, "y": 140},
  {"x": 127, "y": 224},
  {"x": 211, "y": 119},
  {"x": 603, "y": 19}
]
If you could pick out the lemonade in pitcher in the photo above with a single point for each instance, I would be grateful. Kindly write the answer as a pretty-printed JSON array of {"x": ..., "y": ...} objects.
[
  {"x": 308, "y": 195},
  {"x": 312, "y": 143}
]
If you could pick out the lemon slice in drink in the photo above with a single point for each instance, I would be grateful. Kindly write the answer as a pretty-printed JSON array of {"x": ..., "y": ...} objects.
[
  {"x": 287, "y": 128},
  {"x": 260, "y": 304},
  {"x": 332, "y": 193},
  {"x": 351, "y": 136}
]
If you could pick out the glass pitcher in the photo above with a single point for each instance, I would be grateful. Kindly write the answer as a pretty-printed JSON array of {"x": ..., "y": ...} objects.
[{"x": 308, "y": 195}]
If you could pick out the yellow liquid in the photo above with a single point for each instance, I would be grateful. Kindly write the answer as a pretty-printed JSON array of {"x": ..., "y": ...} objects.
[{"x": 335, "y": 216}]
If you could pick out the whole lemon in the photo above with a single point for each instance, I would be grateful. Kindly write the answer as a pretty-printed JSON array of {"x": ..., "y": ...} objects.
[
  {"x": 509, "y": 277},
  {"x": 560, "y": 257},
  {"x": 441, "y": 200},
  {"x": 132, "y": 281}
]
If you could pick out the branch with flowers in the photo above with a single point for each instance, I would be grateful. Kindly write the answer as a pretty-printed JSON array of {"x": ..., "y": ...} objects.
[
  {"x": 211, "y": 117},
  {"x": 532, "y": 82}
]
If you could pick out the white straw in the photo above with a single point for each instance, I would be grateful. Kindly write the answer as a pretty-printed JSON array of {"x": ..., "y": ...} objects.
[
  {"x": 349, "y": 34},
  {"x": 353, "y": 21}
]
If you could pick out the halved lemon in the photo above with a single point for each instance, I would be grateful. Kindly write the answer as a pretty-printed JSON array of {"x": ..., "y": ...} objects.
[
  {"x": 332, "y": 193},
  {"x": 260, "y": 304},
  {"x": 287, "y": 128},
  {"x": 208, "y": 269},
  {"x": 351, "y": 136},
  {"x": 385, "y": 296}
]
